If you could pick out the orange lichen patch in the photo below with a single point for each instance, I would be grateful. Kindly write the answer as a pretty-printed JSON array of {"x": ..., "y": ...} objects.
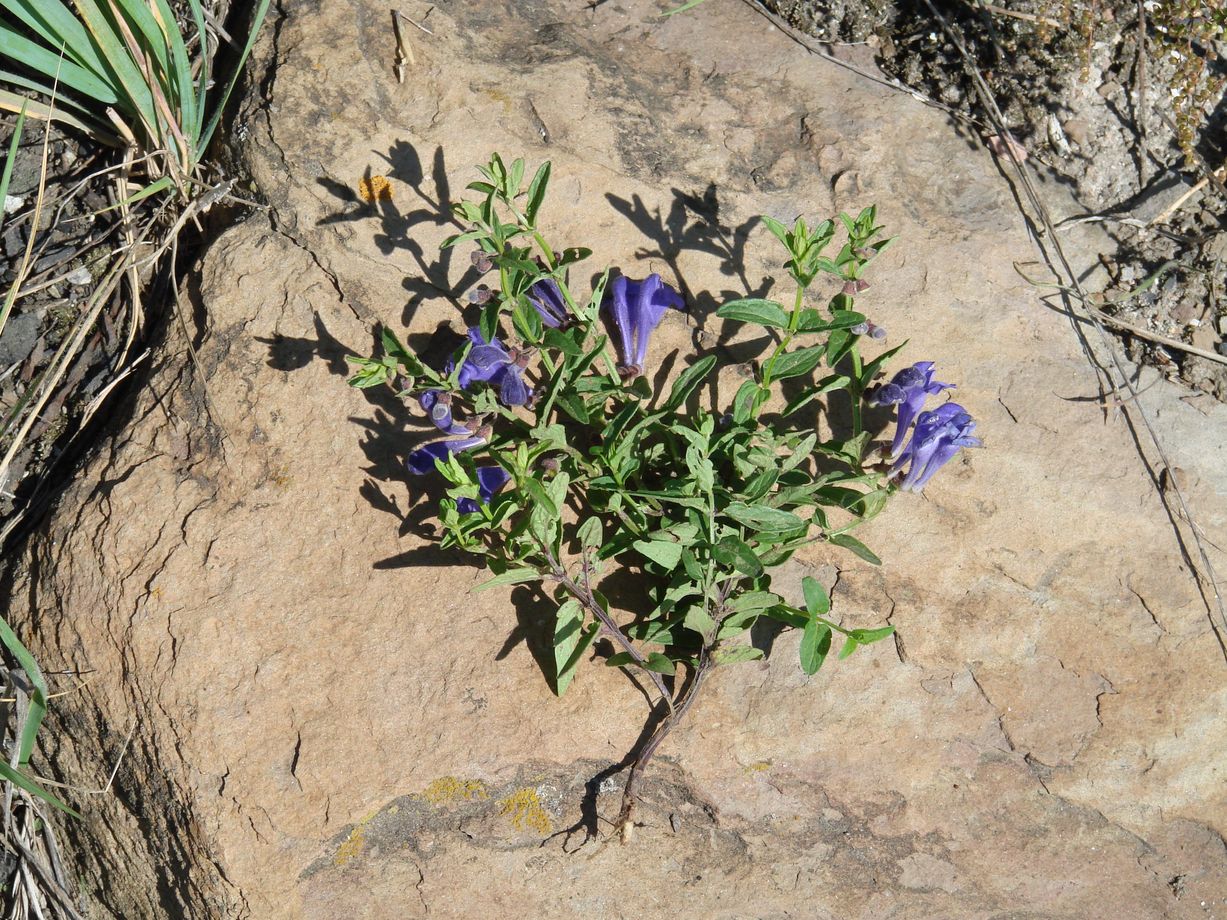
[
  {"x": 759, "y": 766},
  {"x": 375, "y": 188},
  {"x": 525, "y": 810},
  {"x": 451, "y": 789}
]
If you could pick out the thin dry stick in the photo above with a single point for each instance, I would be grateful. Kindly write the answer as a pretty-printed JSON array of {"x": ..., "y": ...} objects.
[
  {"x": 1208, "y": 573},
  {"x": 1015, "y": 14},
  {"x": 404, "y": 51}
]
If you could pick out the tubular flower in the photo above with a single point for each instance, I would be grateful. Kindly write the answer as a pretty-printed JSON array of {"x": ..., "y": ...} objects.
[
  {"x": 908, "y": 389},
  {"x": 939, "y": 435},
  {"x": 422, "y": 460},
  {"x": 438, "y": 407},
  {"x": 489, "y": 480},
  {"x": 636, "y": 309},
  {"x": 491, "y": 362},
  {"x": 546, "y": 297}
]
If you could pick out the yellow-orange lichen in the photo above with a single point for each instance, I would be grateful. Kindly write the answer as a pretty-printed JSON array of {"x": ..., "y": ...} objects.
[
  {"x": 525, "y": 810},
  {"x": 375, "y": 188}
]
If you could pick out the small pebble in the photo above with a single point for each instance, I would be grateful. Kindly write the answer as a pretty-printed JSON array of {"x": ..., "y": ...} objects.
[
  {"x": 79, "y": 276},
  {"x": 1108, "y": 88},
  {"x": 13, "y": 204},
  {"x": 68, "y": 158},
  {"x": 1077, "y": 130}
]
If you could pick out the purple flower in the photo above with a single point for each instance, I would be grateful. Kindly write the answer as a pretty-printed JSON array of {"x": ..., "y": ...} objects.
[
  {"x": 546, "y": 297},
  {"x": 939, "y": 435},
  {"x": 491, "y": 362},
  {"x": 908, "y": 389},
  {"x": 636, "y": 308},
  {"x": 422, "y": 460},
  {"x": 489, "y": 480},
  {"x": 438, "y": 407}
]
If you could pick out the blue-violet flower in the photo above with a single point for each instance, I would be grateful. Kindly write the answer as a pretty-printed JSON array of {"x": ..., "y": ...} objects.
[
  {"x": 908, "y": 389},
  {"x": 546, "y": 297},
  {"x": 422, "y": 460},
  {"x": 939, "y": 435},
  {"x": 491, "y": 362},
  {"x": 636, "y": 309},
  {"x": 489, "y": 480}
]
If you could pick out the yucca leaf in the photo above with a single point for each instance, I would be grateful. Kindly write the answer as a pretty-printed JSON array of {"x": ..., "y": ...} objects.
[
  {"x": 135, "y": 95},
  {"x": 20, "y": 779},
  {"x": 38, "y": 699},
  {"x": 219, "y": 105},
  {"x": 7, "y": 175},
  {"x": 38, "y": 86},
  {"x": 19, "y": 48},
  {"x": 14, "y": 102},
  {"x": 57, "y": 26},
  {"x": 180, "y": 71},
  {"x": 202, "y": 78}
]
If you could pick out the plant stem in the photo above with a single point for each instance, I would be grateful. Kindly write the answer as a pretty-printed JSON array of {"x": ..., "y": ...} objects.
[
  {"x": 625, "y": 823},
  {"x": 584, "y": 596}
]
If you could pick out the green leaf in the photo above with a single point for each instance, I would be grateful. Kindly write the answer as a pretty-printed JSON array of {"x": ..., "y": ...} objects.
[
  {"x": 852, "y": 543},
  {"x": 868, "y": 636},
  {"x": 815, "y": 645},
  {"x": 737, "y": 654},
  {"x": 817, "y": 602},
  {"x": 755, "y": 310},
  {"x": 14, "y": 143},
  {"x": 825, "y": 385},
  {"x": 777, "y": 229},
  {"x": 795, "y": 363},
  {"x": 538, "y": 493},
  {"x": 733, "y": 551},
  {"x": 698, "y": 620},
  {"x": 761, "y": 484},
  {"x": 15, "y": 47},
  {"x": 20, "y": 779},
  {"x": 38, "y": 699},
  {"x": 510, "y": 577},
  {"x": 571, "y": 640},
  {"x": 563, "y": 341},
  {"x": 590, "y": 533},
  {"x": 688, "y": 5},
  {"x": 850, "y": 646},
  {"x": 536, "y": 193},
  {"x": 659, "y": 663},
  {"x": 743, "y": 402},
  {"x": 813, "y": 321},
  {"x": 873, "y": 366},
  {"x": 665, "y": 553},
  {"x": 753, "y": 600},
  {"x": 763, "y": 518},
  {"x": 687, "y": 381}
]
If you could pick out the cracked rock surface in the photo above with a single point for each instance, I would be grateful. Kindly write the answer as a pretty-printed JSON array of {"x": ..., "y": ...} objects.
[{"x": 325, "y": 723}]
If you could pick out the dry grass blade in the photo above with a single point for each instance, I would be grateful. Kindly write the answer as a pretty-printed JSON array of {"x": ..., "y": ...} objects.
[{"x": 24, "y": 267}]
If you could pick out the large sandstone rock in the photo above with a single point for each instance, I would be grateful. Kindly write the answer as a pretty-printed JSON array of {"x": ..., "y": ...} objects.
[{"x": 327, "y": 724}]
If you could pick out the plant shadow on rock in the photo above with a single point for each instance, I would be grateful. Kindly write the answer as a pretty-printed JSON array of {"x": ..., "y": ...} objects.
[
  {"x": 388, "y": 436},
  {"x": 404, "y": 165}
]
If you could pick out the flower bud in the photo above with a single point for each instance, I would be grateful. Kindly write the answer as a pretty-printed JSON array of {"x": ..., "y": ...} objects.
[
  {"x": 480, "y": 294},
  {"x": 482, "y": 261}
]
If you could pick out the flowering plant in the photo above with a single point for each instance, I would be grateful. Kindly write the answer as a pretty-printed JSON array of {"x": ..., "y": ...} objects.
[{"x": 563, "y": 464}]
